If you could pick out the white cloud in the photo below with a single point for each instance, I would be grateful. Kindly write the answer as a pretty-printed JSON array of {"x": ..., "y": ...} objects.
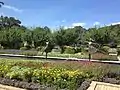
[
  {"x": 12, "y": 8},
  {"x": 75, "y": 24},
  {"x": 96, "y": 23},
  {"x": 66, "y": 27},
  {"x": 78, "y": 24},
  {"x": 115, "y": 23}
]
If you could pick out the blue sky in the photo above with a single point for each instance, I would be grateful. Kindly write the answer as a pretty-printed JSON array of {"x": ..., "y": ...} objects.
[{"x": 68, "y": 13}]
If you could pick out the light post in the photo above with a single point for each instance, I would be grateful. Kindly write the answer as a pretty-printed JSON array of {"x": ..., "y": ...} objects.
[
  {"x": 89, "y": 43},
  {"x": 46, "y": 49}
]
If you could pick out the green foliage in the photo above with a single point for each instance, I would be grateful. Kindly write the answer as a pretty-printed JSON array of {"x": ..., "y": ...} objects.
[
  {"x": 13, "y": 35},
  {"x": 23, "y": 48},
  {"x": 84, "y": 49},
  {"x": 26, "y": 36},
  {"x": 4, "y": 69},
  {"x": 56, "y": 50},
  {"x": 78, "y": 49},
  {"x": 63, "y": 75},
  {"x": 105, "y": 48},
  {"x": 9, "y": 22},
  {"x": 118, "y": 50},
  {"x": 77, "y": 55},
  {"x": 60, "y": 77},
  {"x": 29, "y": 53},
  {"x": 20, "y": 73},
  {"x": 68, "y": 36},
  {"x": 69, "y": 50},
  {"x": 104, "y": 35},
  {"x": 49, "y": 48},
  {"x": 41, "y": 35}
]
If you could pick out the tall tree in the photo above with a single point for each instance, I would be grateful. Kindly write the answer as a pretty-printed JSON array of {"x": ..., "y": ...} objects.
[
  {"x": 8, "y": 22},
  {"x": 41, "y": 35},
  {"x": 70, "y": 36}
]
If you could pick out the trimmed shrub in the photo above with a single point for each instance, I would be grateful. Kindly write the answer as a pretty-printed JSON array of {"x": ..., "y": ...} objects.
[
  {"x": 105, "y": 49},
  {"x": 55, "y": 51},
  {"x": 23, "y": 48},
  {"x": 69, "y": 50}
]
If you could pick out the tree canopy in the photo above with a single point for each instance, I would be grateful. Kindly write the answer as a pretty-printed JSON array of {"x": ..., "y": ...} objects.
[{"x": 13, "y": 35}]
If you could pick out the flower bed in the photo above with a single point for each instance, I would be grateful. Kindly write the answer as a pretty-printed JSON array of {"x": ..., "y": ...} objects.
[
  {"x": 60, "y": 78},
  {"x": 58, "y": 75}
]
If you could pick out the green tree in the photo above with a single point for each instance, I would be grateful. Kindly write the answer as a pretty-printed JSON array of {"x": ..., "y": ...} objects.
[
  {"x": 69, "y": 37},
  {"x": 8, "y": 22},
  {"x": 41, "y": 35},
  {"x": 11, "y": 38}
]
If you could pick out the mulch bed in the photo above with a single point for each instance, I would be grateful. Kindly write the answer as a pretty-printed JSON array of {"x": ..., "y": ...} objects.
[
  {"x": 37, "y": 86},
  {"x": 22, "y": 84}
]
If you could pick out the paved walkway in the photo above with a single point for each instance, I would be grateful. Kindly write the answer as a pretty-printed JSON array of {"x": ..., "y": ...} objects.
[
  {"x": 59, "y": 58},
  {"x": 5, "y": 87},
  {"x": 103, "y": 86}
]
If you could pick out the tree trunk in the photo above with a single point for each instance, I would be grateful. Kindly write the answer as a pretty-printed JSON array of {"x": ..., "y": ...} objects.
[{"x": 62, "y": 49}]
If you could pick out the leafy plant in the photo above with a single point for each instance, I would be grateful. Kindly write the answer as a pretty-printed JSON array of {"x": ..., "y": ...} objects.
[
  {"x": 23, "y": 48},
  {"x": 69, "y": 50},
  {"x": 62, "y": 75}
]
